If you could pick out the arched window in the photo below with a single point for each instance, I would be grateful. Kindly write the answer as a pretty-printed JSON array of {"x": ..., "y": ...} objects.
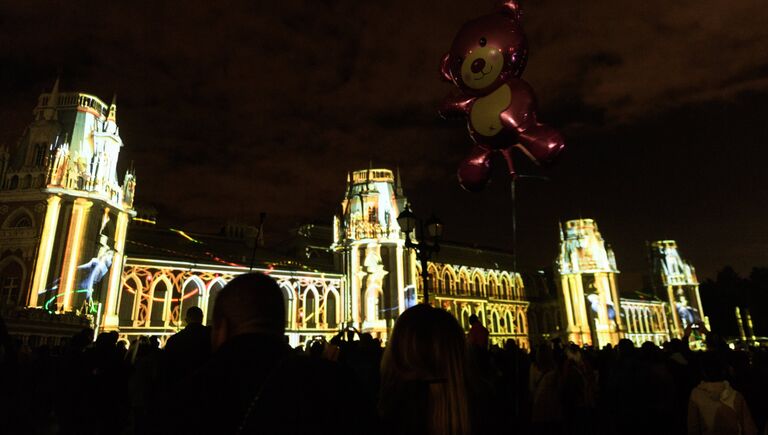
[
  {"x": 479, "y": 285},
  {"x": 22, "y": 222},
  {"x": 213, "y": 291},
  {"x": 131, "y": 288},
  {"x": 287, "y": 303},
  {"x": 19, "y": 218},
  {"x": 434, "y": 281},
  {"x": 14, "y": 184},
  {"x": 449, "y": 281},
  {"x": 11, "y": 276},
  {"x": 506, "y": 291},
  {"x": 39, "y": 154},
  {"x": 493, "y": 286},
  {"x": 159, "y": 291},
  {"x": 309, "y": 308},
  {"x": 331, "y": 305},
  {"x": 463, "y": 283}
]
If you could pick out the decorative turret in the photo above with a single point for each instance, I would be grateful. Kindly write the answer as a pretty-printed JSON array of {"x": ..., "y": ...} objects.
[
  {"x": 371, "y": 206},
  {"x": 129, "y": 188},
  {"x": 674, "y": 280},
  {"x": 587, "y": 269},
  {"x": 111, "y": 125}
]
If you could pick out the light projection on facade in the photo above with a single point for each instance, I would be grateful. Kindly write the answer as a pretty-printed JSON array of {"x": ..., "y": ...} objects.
[
  {"x": 587, "y": 271},
  {"x": 372, "y": 248},
  {"x": 63, "y": 228},
  {"x": 674, "y": 281},
  {"x": 156, "y": 293},
  {"x": 64, "y": 168}
]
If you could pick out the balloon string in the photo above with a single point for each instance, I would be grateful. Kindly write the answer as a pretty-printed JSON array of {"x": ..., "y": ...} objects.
[{"x": 514, "y": 230}]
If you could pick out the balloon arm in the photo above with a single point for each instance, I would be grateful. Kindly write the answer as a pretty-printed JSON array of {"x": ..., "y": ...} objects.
[
  {"x": 539, "y": 142},
  {"x": 455, "y": 106}
]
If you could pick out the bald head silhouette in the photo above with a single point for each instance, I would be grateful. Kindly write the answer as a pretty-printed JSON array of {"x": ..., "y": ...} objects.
[{"x": 250, "y": 303}]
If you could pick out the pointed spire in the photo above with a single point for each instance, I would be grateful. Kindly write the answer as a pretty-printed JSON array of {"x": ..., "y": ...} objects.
[
  {"x": 398, "y": 182},
  {"x": 50, "y": 112},
  {"x": 113, "y": 109},
  {"x": 54, "y": 93}
]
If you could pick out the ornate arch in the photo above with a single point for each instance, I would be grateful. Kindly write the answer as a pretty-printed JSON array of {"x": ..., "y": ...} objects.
[
  {"x": 448, "y": 279},
  {"x": 18, "y": 219},
  {"x": 331, "y": 294},
  {"x": 464, "y": 281},
  {"x": 466, "y": 311},
  {"x": 310, "y": 309},
  {"x": 506, "y": 286},
  {"x": 523, "y": 327},
  {"x": 434, "y": 277},
  {"x": 492, "y": 283},
  {"x": 495, "y": 325},
  {"x": 478, "y": 283},
  {"x": 509, "y": 319}
]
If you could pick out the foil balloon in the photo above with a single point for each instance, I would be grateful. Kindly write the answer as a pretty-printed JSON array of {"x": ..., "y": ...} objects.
[{"x": 485, "y": 62}]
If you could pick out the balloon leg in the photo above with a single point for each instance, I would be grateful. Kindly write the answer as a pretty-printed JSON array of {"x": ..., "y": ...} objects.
[{"x": 475, "y": 169}]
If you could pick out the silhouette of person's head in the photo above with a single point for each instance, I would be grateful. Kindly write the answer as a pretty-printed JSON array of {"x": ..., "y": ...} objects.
[
  {"x": 194, "y": 316},
  {"x": 713, "y": 368},
  {"x": 426, "y": 356},
  {"x": 473, "y": 319},
  {"x": 251, "y": 303}
]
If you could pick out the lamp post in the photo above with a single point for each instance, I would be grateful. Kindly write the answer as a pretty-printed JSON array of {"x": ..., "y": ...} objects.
[{"x": 428, "y": 234}]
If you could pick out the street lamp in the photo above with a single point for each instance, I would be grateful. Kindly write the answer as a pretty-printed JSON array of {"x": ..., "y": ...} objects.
[{"x": 429, "y": 234}]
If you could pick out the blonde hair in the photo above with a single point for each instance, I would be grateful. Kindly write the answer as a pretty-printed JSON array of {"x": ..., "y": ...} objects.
[{"x": 427, "y": 347}]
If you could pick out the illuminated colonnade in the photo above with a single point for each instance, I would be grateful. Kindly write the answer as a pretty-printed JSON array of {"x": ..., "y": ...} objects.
[
  {"x": 496, "y": 297},
  {"x": 645, "y": 321},
  {"x": 156, "y": 293}
]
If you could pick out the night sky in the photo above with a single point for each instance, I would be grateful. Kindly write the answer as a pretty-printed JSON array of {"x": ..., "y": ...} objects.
[{"x": 230, "y": 110}]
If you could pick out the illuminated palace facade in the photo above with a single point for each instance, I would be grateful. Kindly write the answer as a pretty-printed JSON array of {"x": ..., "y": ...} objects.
[
  {"x": 355, "y": 273},
  {"x": 64, "y": 212},
  {"x": 72, "y": 242},
  {"x": 589, "y": 309}
]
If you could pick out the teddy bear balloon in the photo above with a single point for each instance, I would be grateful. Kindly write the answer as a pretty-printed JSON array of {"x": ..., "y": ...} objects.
[{"x": 485, "y": 62}]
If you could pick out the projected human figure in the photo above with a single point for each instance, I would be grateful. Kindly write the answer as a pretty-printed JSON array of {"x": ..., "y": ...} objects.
[
  {"x": 594, "y": 303},
  {"x": 688, "y": 314},
  {"x": 94, "y": 270}
]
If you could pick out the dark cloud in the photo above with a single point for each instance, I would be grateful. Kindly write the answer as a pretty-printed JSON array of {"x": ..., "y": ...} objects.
[{"x": 231, "y": 108}]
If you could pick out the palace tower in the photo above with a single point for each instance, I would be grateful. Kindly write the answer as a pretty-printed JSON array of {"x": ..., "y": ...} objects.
[{"x": 64, "y": 213}]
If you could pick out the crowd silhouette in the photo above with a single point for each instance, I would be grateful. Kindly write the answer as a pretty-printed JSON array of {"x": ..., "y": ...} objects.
[{"x": 240, "y": 376}]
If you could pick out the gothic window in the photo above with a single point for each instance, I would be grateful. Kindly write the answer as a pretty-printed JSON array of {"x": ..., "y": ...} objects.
[
  {"x": 10, "y": 284},
  {"x": 26, "y": 182},
  {"x": 479, "y": 286},
  {"x": 213, "y": 291},
  {"x": 80, "y": 183},
  {"x": 14, "y": 184},
  {"x": 287, "y": 303},
  {"x": 158, "y": 303},
  {"x": 22, "y": 221},
  {"x": 309, "y": 311},
  {"x": 506, "y": 292},
  {"x": 463, "y": 283},
  {"x": 39, "y": 154},
  {"x": 331, "y": 303}
]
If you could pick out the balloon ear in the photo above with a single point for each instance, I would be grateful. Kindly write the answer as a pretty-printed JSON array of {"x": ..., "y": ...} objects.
[
  {"x": 445, "y": 70},
  {"x": 512, "y": 9}
]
